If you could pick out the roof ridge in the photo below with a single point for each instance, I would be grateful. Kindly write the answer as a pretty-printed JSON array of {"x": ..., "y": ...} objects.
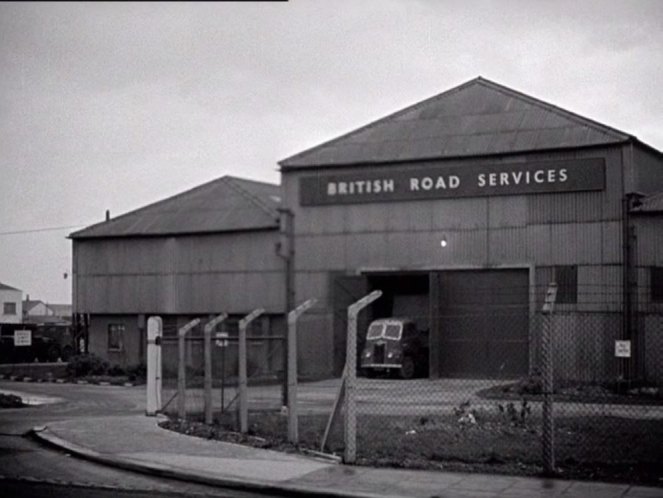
[
  {"x": 232, "y": 182},
  {"x": 153, "y": 204},
  {"x": 8, "y": 287},
  {"x": 608, "y": 130},
  {"x": 612, "y": 133},
  {"x": 383, "y": 119}
]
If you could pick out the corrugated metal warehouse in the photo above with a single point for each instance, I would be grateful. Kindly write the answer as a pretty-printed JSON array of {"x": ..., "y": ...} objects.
[
  {"x": 209, "y": 250},
  {"x": 461, "y": 209}
]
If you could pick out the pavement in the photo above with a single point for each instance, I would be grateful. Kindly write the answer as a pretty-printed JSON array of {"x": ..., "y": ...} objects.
[{"x": 135, "y": 442}]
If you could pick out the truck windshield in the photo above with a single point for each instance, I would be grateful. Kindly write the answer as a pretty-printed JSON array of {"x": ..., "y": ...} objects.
[
  {"x": 375, "y": 331},
  {"x": 386, "y": 331},
  {"x": 392, "y": 331}
]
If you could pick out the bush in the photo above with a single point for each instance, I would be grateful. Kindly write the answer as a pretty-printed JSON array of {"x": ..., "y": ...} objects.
[
  {"x": 138, "y": 371},
  {"x": 116, "y": 371},
  {"x": 87, "y": 364}
]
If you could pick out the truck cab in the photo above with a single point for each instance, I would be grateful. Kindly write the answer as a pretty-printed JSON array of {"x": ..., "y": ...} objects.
[{"x": 395, "y": 346}]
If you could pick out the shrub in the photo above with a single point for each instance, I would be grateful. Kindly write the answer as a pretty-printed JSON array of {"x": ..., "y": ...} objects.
[
  {"x": 86, "y": 364},
  {"x": 138, "y": 371},
  {"x": 116, "y": 371}
]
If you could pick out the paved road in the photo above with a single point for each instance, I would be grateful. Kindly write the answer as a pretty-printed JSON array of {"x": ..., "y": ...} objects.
[
  {"x": 405, "y": 397},
  {"x": 30, "y": 469}
]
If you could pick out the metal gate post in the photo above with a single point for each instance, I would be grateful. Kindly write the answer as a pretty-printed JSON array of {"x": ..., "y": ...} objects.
[
  {"x": 243, "y": 395},
  {"x": 207, "y": 346},
  {"x": 548, "y": 433},
  {"x": 293, "y": 316},
  {"x": 350, "y": 374},
  {"x": 154, "y": 332},
  {"x": 181, "y": 367}
]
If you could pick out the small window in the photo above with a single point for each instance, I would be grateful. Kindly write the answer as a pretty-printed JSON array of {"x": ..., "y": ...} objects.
[
  {"x": 567, "y": 284},
  {"x": 9, "y": 309},
  {"x": 656, "y": 284},
  {"x": 115, "y": 333}
]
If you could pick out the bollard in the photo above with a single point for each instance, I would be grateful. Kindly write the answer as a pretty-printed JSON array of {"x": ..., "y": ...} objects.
[{"x": 153, "y": 388}]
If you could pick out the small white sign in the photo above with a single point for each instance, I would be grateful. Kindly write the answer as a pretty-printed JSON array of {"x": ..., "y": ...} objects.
[
  {"x": 221, "y": 339},
  {"x": 22, "y": 338},
  {"x": 623, "y": 349}
]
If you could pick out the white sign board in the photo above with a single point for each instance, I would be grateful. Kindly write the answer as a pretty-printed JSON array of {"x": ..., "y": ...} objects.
[
  {"x": 623, "y": 349},
  {"x": 22, "y": 338},
  {"x": 221, "y": 339}
]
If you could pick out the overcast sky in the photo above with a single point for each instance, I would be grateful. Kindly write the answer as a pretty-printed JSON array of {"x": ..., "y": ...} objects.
[{"x": 117, "y": 105}]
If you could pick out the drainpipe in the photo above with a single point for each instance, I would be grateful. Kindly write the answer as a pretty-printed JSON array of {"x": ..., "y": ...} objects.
[
  {"x": 629, "y": 370},
  {"x": 286, "y": 250}
]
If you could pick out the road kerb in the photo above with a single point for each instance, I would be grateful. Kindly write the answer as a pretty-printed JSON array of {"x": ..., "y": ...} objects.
[{"x": 44, "y": 435}]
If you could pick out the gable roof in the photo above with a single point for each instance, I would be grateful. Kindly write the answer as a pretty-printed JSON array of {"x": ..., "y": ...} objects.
[
  {"x": 28, "y": 304},
  {"x": 8, "y": 287},
  {"x": 479, "y": 117},
  {"x": 222, "y": 205}
]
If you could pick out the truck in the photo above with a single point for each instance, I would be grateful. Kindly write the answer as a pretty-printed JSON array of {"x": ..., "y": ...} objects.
[
  {"x": 395, "y": 346},
  {"x": 28, "y": 342}
]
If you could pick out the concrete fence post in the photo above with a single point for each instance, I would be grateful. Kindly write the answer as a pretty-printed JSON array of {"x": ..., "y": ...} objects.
[
  {"x": 293, "y": 316},
  {"x": 350, "y": 373},
  {"x": 548, "y": 432},
  {"x": 243, "y": 404},
  {"x": 181, "y": 367},
  {"x": 207, "y": 349},
  {"x": 153, "y": 391}
]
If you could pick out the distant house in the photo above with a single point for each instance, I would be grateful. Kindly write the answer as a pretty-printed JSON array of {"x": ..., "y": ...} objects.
[
  {"x": 61, "y": 310},
  {"x": 33, "y": 307},
  {"x": 37, "y": 311},
  {"x": 11, "y": 300}
]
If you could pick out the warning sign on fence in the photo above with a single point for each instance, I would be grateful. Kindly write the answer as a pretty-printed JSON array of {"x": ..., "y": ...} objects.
[
  {"x": 221, "y": 339},
  {"x": 623, "y": 349},
  {"x": 22, "y": 338}
]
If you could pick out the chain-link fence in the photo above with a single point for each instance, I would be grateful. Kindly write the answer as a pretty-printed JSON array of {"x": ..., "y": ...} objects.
[
  {"x": 476, "y": 393},
  {"x": 459, "y": 387},
  {"x": 183, "y": 367}
]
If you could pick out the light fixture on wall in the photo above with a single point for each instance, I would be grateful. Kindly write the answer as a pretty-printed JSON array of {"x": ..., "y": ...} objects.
[{"x": 443, "y": 242}]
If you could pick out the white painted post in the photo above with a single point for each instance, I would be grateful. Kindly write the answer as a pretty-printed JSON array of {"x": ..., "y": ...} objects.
[
  {"x": 154, "y": 332},
  {"x": 350, "y": 373},
  {"x": 181, "y": 367},
  {"x": 293, "y": 316},
  {"x": 243, "y": 394},
  {"x": 207, "y": 347}
]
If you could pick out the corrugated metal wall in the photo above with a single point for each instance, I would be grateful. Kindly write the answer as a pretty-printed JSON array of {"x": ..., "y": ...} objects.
[
  {"x": 581, "y": 228},
  {"x": 539, "y": 230},
  {"x": 185, "y": 274}
]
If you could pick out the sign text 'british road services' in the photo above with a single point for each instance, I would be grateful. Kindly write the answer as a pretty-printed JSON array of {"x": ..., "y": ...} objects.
[{"x": 439, "y": 182}]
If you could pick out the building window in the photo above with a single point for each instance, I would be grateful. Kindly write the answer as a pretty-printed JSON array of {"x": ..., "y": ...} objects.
[
  {"x": 115, "y": 333},
  {"x": 9, "y": 309},
  {"x": 656, "y": 284},
  {"x": 567, "y": 284}
]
